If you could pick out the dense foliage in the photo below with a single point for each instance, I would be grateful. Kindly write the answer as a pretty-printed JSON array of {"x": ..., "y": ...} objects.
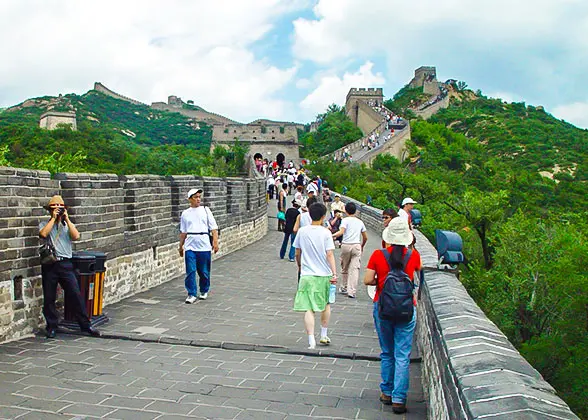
[
  {"x": 334, "y": 131},
  {"x": 525, "y": 234},
  {"x": 112, "y": 136}
]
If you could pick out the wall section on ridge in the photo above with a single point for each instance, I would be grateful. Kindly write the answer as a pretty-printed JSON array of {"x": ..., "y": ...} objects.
[{"x": 133, "y": 218}]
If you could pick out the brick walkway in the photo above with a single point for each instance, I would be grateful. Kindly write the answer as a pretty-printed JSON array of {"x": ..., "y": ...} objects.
[{"x": 240, "y": 354}]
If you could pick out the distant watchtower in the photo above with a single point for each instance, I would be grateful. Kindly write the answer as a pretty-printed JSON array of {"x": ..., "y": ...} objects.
[
  {"x": 426, "y": 77},
  {"x": 359, "y": 107},
  {"x": 49, "y": 120}
]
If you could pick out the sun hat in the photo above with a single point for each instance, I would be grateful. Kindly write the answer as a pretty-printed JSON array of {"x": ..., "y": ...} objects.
[
  {"x": 56, "y": 199},
  {"x": 408, "y": 200},
  {"x": 338, "y": 195},
  {"x": 397, "y": 232},
  {"x": 194, "y": 191}
]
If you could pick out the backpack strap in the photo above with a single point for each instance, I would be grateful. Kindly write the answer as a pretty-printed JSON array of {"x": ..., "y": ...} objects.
[
  {"x": 387, "y": 256},
  {"x": 406, "y": 258}
]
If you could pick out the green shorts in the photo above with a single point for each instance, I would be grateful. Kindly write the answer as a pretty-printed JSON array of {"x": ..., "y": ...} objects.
[{"x": 312, "y": 293}]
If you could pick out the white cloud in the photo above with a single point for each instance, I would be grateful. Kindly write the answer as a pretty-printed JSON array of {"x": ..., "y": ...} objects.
[
  {"x": 575, "y": 113},
  {"x": 145, "y": 49},
  {"x": 346, "y": 28},
  {"x": 506, "y": 96},
  {"x": 333, "y": 89},
  {"x": 303, "y": 83}
]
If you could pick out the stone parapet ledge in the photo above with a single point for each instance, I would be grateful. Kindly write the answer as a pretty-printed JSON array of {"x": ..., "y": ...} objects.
[{"x": 470, "y": 369}]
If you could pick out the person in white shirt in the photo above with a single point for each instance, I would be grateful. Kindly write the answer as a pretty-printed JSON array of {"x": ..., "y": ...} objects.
[
  {"x": 354, "y": 239},
  {"x": 312, "y": 188},
  {"x": 337, "y": 205},
  {"x": 270, "y": 184},
  {"x": 196, "y": 225},
  {"x": 316, "y": 263},
  {"x": 405, "y": 208}
]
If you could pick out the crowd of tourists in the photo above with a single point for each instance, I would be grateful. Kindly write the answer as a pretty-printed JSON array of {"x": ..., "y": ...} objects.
[
  {"x": 314, "y": 223},
  {"x": 314, "y": 226}
]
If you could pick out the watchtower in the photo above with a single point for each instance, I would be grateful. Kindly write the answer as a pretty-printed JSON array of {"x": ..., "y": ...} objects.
[
  {"x": 359, "y": 107},
  {"x": 50, "y": 119}
]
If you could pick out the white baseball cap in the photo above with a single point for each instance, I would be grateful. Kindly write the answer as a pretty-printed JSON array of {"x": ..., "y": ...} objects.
[
  {"x": 194, "y": 191},
  {"x": 408, "y": 200}
]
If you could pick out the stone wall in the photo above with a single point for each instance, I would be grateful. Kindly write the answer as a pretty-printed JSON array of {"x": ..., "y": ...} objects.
[
  {"x": 470, "y": 369},
  {"x": 356, "y": 145},
  {"x": 133, "y": 218},
  {"x": 395, "y": 147},
  {"x": 429, "y": 111},
  {"x": 103, "y": 89}
]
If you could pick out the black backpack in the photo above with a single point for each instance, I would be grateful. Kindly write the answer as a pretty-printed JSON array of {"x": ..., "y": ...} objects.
[{"x": 396, "y": 298}]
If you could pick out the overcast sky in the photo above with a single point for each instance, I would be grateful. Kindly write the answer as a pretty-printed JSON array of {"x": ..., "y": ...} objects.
[{"x": 290, "y": 59}]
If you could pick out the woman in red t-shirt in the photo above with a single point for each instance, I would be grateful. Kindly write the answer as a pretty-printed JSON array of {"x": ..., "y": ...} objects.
[{"x": 395, "y": 339}]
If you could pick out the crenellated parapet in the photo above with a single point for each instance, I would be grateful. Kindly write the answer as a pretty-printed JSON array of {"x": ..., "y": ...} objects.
[
  {"x": 133, "y": 218},
  {"x": 103, "y": 89}
]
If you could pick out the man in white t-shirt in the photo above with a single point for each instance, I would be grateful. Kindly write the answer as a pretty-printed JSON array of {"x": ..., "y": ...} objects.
[
  {"x": 316, "y": 262},
  {"x": 196, "y": 225},
  {"x": 354, "y": 239},
  {"x": 405, "y": 208}
]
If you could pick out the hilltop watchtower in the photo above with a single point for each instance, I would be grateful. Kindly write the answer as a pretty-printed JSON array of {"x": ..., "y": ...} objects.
[
  {"x": 359, "y": 107},
  {"x": 426, "y": 77}
]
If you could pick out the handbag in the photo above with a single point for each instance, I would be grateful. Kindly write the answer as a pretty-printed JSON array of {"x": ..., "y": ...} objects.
[
  {"x": 47, "y": 252},
  {"x": 281, "y": 215}
]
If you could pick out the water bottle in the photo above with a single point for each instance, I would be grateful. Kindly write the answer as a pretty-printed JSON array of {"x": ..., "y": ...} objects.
[{"x": 332, "y": 293}]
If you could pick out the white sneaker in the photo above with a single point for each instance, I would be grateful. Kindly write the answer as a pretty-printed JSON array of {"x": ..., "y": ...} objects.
[
  {"x": 191, "y": 299},
  {"x": 203, "y": 296},
  {"x": 312, "y": 347}
]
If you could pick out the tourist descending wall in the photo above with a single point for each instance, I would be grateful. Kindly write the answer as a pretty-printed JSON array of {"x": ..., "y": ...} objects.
[
  {"x": 470, "y": 369},
  {"x": 133, "y": 218}
]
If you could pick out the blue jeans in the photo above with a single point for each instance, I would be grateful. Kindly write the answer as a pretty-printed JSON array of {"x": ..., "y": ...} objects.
[
  {"x": 285, "y": 245},
  {"x": 197, "y": 261},
  {"x": 396, "y": 344}
]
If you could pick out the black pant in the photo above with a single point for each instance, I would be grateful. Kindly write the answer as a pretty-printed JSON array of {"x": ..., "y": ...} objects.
[
  {"x": 62, "y": 272},
  {"x": 270, "y": 191}
]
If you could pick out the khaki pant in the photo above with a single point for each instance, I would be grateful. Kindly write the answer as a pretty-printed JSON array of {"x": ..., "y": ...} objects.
[{"x": 350, "y": 266}]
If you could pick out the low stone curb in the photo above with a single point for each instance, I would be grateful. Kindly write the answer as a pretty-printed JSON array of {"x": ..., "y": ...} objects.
[{"x": 226, "y": 345}]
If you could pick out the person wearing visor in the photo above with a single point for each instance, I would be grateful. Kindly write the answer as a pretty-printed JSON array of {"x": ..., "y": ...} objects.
[
  {"x": 61, "y": 232},
  {"x": 198, "y": 238}
]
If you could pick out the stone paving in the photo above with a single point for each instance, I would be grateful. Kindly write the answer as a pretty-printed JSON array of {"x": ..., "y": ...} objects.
[{"x": 241, "y": 354}]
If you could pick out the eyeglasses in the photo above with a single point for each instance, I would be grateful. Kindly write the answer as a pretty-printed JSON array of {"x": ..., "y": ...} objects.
[
  {"x": 386, "y": 217},
  {"x": 57, "y": 205}
]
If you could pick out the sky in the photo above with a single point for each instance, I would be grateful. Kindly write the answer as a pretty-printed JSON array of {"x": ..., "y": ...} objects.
[{"x": 289, "y": 59}]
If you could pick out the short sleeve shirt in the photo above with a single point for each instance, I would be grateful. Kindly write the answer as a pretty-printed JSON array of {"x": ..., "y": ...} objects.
[
  {"x": 379, "y": 264},
  {"x": 197, "y": 222},
  {"x": 60, "y": 239},
  {"x": 314, "y": 242},
  {"x": 353, "y": 230}
]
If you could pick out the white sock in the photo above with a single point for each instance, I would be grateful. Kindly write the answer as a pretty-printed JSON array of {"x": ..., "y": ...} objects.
[
  {"x": 311, "y": 341},
  {"x": 323, "y": 331}
]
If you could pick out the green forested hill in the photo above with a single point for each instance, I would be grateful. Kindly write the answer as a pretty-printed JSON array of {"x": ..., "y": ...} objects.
[
  {"x": 526, "y": 135},
  {"x": 113, "y": 136},
  {"x": 511, "y": 180}
]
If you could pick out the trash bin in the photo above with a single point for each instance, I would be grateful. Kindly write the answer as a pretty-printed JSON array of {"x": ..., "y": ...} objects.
[{"x": 90, "y": 270}]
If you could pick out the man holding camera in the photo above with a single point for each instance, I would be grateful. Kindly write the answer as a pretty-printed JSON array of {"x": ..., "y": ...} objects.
[
  {"x": 60, "y": 231},
  {"x": 198, "y": 237}
]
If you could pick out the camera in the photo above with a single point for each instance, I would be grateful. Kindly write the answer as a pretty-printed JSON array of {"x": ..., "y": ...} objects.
[{"x": 60, "y": 211}]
